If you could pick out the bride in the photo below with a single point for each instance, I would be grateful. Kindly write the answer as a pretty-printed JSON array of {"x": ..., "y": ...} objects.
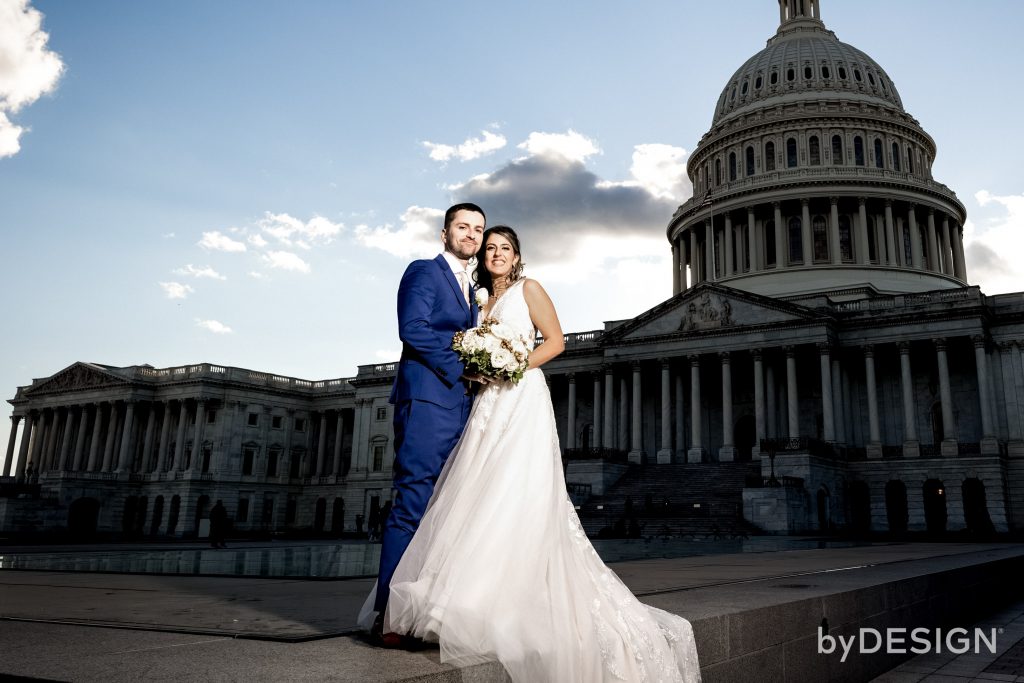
[{"x": 500, "y": 567}]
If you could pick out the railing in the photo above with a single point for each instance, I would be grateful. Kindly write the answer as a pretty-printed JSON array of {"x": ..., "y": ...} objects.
[
  {"x": 206, "y": 370},
  {"x": 969, "y": 294},
  {"x": 606, "y": 454},
  {"x": 799, "y": 443},
  {"x": 578, "y": 491},
  {"x": 755, "y": 482}
]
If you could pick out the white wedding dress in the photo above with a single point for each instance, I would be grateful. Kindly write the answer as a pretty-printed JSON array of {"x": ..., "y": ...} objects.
[{"x": 500, "y": 568}]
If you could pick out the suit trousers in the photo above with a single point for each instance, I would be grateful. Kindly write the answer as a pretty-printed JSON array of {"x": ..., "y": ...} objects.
[{"x": 425, "y": 433}]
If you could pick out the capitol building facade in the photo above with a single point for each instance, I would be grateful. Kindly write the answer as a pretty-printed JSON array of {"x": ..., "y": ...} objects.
[{"x": 822, "y": 324}]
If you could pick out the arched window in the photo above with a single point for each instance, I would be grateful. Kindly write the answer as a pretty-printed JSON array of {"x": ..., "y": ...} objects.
[
  {"x": 791, "y": 153},
  {"x": 837, "y": 150},
  {"x": 895, "y": 157},
  {"x": 842, "y": 72},
  {"x": 871, "y": 78},
  {"x": 845, "y": 238},
  {"x": 732, "y": 94},
  {"x": 819, "y": 231},
  {"x": 796, "y": 247},
  {"x": 743, "y": 88},
  {"x": 769, "y": 156},
  {"x": 825, "y": 73},
  {"x": 908, "y": 257},
  {"x": 910, "y": 159},
  {"x": 790, "y": 74},
  {"x": 769, "y": 242},
  {"x": 879, "y": 156},
  {"x": 732, "y": 166},
  {"x": 758, "y": 82},
  {"x": 815, "y": 150},
  {"x": 750, "y": 161},
  {"x": 774, "y": 78},
  {"x": 808, "y": 73},
  {"x": 718, "y": 171},
  {"x": 856, "y": 75},
  {"x": 858, "y": 151}
]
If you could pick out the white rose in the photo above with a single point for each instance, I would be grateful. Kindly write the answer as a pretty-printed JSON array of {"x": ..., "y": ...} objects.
[
  {"x": 473, "y": 342},
  {"x": 502, "y": 359},
  {"x": 501, "y": 330},
  {"x": 482, "y": 297},
  {"x": 518, "y": 346},
  {"x": 492, "y": 344}
]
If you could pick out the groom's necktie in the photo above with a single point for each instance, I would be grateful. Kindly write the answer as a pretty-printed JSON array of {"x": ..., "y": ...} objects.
[{"x": 464, "y": 283}]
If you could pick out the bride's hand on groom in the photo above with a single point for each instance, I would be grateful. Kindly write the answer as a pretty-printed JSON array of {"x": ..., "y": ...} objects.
[{"x": 479, "y": 379}]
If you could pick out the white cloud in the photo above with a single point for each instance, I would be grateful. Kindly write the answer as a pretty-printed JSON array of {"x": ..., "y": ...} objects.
[
  {"x": 199, "y": 272},
  {"x": 571, "y": 146},
  {"x": 213, "y": 326},
  {"x": 258, "y": 241},
  {"x": 256, "y": 275},
  {"x": 28, "y": 70},
  {"x": 661, "y": 170},
  {"x": 991, "y": 248},
  {"x": 285, "y": 228},
  {"x": 286, "y": 260},
  {"x": 387, "y": 355},
  {"x": 168, "y": 235},
  {"x": 218, "y": 241},
  {"x": 418, "y": 237},
  {"x": 176, "y": 290},
  {"x": 472, "y": 148}
]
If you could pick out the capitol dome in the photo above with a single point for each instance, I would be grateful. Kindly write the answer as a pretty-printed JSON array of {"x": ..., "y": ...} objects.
[{"x": 814, "y": 178}]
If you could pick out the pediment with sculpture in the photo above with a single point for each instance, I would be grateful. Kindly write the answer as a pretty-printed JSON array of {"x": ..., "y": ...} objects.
[
  {"x": 711, "y": 308},
  {"x": 75, "y": 378}
]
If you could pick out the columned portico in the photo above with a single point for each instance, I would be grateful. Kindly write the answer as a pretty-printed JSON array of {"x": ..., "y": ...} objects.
[
  {"x": 727, "y": 452},
  {"x": 9, "y": 462},
  {"x": 874, "y": 445},
  {"x": 911, "y": 445},
  {"x": 696, "y": 451},
  {"x": 949, "y": 445},
  {"x": 636, "y": 450},
  {"x": 665, "y": 452}
]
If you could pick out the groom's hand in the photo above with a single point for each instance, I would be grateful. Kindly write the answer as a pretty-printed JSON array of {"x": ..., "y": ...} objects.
[{"x": 479, "y": 379}]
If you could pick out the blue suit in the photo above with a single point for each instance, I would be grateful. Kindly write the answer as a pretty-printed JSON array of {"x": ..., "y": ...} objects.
[{"x": 431, "y": 403}]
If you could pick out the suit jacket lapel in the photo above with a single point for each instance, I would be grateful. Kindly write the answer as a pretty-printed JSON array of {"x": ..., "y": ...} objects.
[{"x": 446, "y": 271}]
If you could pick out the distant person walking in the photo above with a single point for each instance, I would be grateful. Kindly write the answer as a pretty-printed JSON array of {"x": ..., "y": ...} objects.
[{"x": 218, "y": 525}]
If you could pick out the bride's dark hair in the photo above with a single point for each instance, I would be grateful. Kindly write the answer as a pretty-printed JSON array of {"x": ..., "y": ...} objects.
[{"x": 482, "y": 277}]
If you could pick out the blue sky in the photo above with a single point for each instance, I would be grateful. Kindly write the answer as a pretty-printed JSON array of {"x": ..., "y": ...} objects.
[{"x": 243, "y": 183}]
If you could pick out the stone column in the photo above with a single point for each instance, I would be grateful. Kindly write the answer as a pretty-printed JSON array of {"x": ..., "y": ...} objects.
[
  {"x": 780, "y": 236},
  {"x": 147, "y": 440},
  {"x": 9, "y": 462},
  {"x": 694, "y": 258},
  {"x": 709, "y": 255},
  {"x": 1013, "y": 426},
  {"x": 827, "y": 403},
  {"x": 731, "y": 266},
  {"x": 949, "y": 438},
  {"x": 911, "y": 445},
  {"x": 598, "y": 434},
  {"x": 113, "y": 422},
  {"x": 622, "y": 442},
  {"x": 835, "y": 241},
  {"x": 727, "y": 453},
  {"x": 874, "y": 445},
  {"x": 771, "y": 410},
  {"x": 959, "y": 266},
  {"x": 339, "y": 438},
  {"x": 947, "y": 249},
  {"x": 989, "y": 444},
  {"x": 837, "y": 401},
  {"x": 676, "y": 273},
  {"x": 31, "y": 422},
  {"x": 321, "y": 446},
  {"x": 357, "y": 441},
  {"x": 792, "y": 398},
  {"x": 806, "y": 235},
  {"x": 696, "y": 452},
  {"x": 65, "y": 441},
  {"x": 752, "y": 240},
  {"x": 49, "y": 457},
  {"x": 39, "y": 442},
  {"x": 759, "y": 418},
  {"x": 890, "y": 237},
  {"x": 636, "y": 453},
  {"x": 165, "y": 433},
  {"x": 863, "y": 253},
  {"x": 680, "y": 415},
  {"x": 570, "y": 427},
  {"x": 83, "y": 432},
  {"x": 608, "y": 424},
  {"x": 197, "y": 438},
  {"x": 933, "y": 246},
  {"x": 179, "y": 444},
  {"x": 1017, "y": 382},
  {"x": 665, "y": 452},
  {"x": 123, "y": 463},
  {"x": 94, "y": 444},
  {"x": 915, "y": 238}
]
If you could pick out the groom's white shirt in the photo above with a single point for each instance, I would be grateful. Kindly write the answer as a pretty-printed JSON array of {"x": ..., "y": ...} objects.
[{"x": 458, "y": 268}]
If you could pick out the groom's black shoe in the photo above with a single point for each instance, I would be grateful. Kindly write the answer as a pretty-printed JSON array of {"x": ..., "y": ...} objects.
[{"x": 392, "y": 641}]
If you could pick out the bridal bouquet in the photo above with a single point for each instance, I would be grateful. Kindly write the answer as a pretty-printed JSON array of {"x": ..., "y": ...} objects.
[{"x": 493, "y": 350}]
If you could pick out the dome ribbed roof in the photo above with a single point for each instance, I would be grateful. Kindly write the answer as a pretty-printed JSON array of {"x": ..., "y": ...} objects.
[{"x": 805, "y": 63}]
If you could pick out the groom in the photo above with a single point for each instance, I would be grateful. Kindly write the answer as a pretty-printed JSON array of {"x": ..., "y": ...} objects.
[{"x": 430, "y": 393}]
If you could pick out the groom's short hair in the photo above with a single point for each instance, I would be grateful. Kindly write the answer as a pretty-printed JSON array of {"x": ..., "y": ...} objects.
[{"x": 449, "y": 215}]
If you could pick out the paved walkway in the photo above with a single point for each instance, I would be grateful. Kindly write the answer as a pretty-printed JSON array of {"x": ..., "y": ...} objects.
[
  {"x": 121, "y": 627},
  {"x": 1006, "y": 664}
]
